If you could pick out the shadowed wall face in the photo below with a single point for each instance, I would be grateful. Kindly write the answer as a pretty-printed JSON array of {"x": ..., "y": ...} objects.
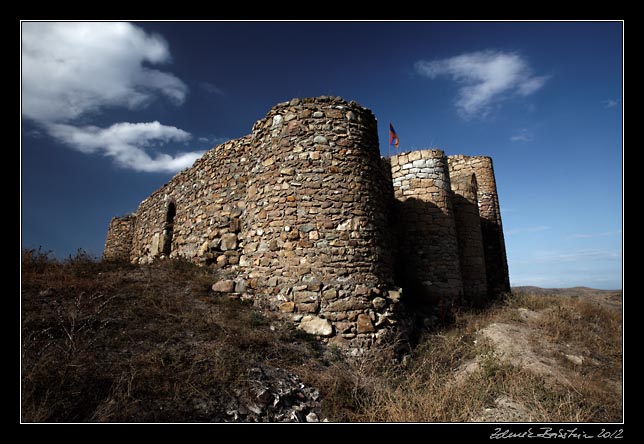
[
  {"x": 498, "y": 278},
  {"x": 428, "y": 260},
  {"x": 470, "y": 238}
]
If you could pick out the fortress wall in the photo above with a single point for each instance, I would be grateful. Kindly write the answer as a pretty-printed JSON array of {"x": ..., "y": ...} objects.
[
  {"x": 498, "y": 279},
  {"x": 428, "y": 259},
  {"x": 207, "y": 202},
  {"x": 119, "y": 238},
  {"x": 310, "y": 220},
  {"x": 316, "y": 226},
  {"x": 470, "y": 239}
]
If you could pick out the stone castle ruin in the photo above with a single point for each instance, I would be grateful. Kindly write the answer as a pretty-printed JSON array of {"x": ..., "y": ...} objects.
[{"x": 305, "y": 216}]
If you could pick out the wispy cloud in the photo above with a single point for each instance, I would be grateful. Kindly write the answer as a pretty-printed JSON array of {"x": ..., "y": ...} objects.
[
  {"x": 212, "y": 140},
  {"x": 611, "y": 103},
  {"x": 211, "y": 89},
  {"x": 485, "y": 78},
  {"x": 72, "y": 71},
  {"x": 523, "y": 135},
  {"x": 524, "y": 230},
  {"x": 592, "y": 235},
  {"x": 126, "y": 143},
  {"x": 577, "y": 255}
]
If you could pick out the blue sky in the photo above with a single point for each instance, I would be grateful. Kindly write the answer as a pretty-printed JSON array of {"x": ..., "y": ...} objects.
[{"x": 112, "y": 110}]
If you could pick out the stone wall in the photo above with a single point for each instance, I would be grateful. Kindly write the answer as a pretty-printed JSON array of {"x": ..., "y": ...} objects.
[
  {"x": 207, "y": 201},
  {"x": 427, "y": 242},
  {"x": 317, "y": 238},
  {"x": 305, "y": 217},
  {"x": 294, "y": 213},
  {"x": 470, "y": 238},
  {"x": 498, "y": 278},
  {"x": 118, "y": 243}
]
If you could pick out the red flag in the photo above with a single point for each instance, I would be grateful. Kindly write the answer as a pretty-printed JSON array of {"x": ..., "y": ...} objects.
[{"x": 393, "y": 136}]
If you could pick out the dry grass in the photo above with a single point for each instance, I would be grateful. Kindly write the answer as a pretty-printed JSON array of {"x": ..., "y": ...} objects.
[
  {"x": 425, "y": 390},
  {"x": 116, "y": 342}
]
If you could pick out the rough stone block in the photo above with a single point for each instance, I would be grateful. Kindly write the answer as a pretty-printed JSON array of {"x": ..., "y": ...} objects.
[
  {"x": 364, "y": 324},
  {"x": 224, "y": 286},
  {"x": 316, "y": 326},
  {"x": 228, "y": 242}
]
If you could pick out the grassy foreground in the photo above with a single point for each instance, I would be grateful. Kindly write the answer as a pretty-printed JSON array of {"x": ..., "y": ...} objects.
[{"x": 108, "y": 342}]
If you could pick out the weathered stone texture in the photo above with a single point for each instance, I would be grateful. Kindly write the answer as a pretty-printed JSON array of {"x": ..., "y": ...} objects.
[
  {"x": 470, "y": 239},
  {"x": 498, "y": 278},
  {"x": 427, "y": 242},
  {"x": 304, "y": 215},
  {"x": 316, "y": 218},
  {"x": 118, "y": 243}
]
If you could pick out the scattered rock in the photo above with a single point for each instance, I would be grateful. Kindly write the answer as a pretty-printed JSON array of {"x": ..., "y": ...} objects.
[
  {"x": 241, "y": 285},
  {"x": 273, "y": 394},
  {"x": 225, "y": 286},
  {"x": 575, "y": 359},
  {"x": 228, "y": 242}
]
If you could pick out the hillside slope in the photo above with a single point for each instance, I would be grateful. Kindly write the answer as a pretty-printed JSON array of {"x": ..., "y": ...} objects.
[{"x": 119, "y": 343}]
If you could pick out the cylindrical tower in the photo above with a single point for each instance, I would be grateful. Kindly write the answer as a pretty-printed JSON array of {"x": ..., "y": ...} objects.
[
  {"x": 498, "y": 278},
  {"x": 470, "y": 239},
  {"x": 316, "y": 237},
  {"x": 428, "y": 261}
]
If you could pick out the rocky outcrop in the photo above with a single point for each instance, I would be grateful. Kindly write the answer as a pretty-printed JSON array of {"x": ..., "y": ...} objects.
[{"x": 274, "y": 395}]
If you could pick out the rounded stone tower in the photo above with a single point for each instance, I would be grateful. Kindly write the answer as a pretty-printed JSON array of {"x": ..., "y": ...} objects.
[
  {"x": 316, "y": 237},
  {"x": 498, "y": 278},
  {"x": 428, "y": 258},
  {"x": 470, "y": 239}
]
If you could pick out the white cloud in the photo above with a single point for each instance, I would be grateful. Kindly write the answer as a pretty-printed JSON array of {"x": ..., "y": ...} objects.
[
  {"x": 611, "y": 103},
  {"x": 576, "y": 256},
  {"x": 592, "y": 235},
  {"x": 537, "y": 229},
  {"x": 73, "y": 70},
  {"x": 70, "y": 69},
  {"x": 126, "y": 143},
  {"x": 210, "y": 88},
  {"x": 212, "y": 140},
  {"x": 484, "y": 78},
  {"x": 523, "y": 135}
]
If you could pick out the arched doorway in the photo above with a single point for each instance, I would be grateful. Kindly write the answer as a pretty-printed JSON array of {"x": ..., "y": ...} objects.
[{"x": 168, "y": 229}]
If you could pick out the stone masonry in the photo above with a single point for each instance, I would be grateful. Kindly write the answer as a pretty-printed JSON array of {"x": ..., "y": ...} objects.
[
  {"x": 426, "y": 226},
  {"x": 118, "y": 245},
  {"x": 305, "y": 217},
  {"x": 481, "y": 168}
]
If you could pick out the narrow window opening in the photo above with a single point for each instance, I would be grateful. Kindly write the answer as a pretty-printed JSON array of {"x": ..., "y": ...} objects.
[{"x": 168, "y": 229}]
